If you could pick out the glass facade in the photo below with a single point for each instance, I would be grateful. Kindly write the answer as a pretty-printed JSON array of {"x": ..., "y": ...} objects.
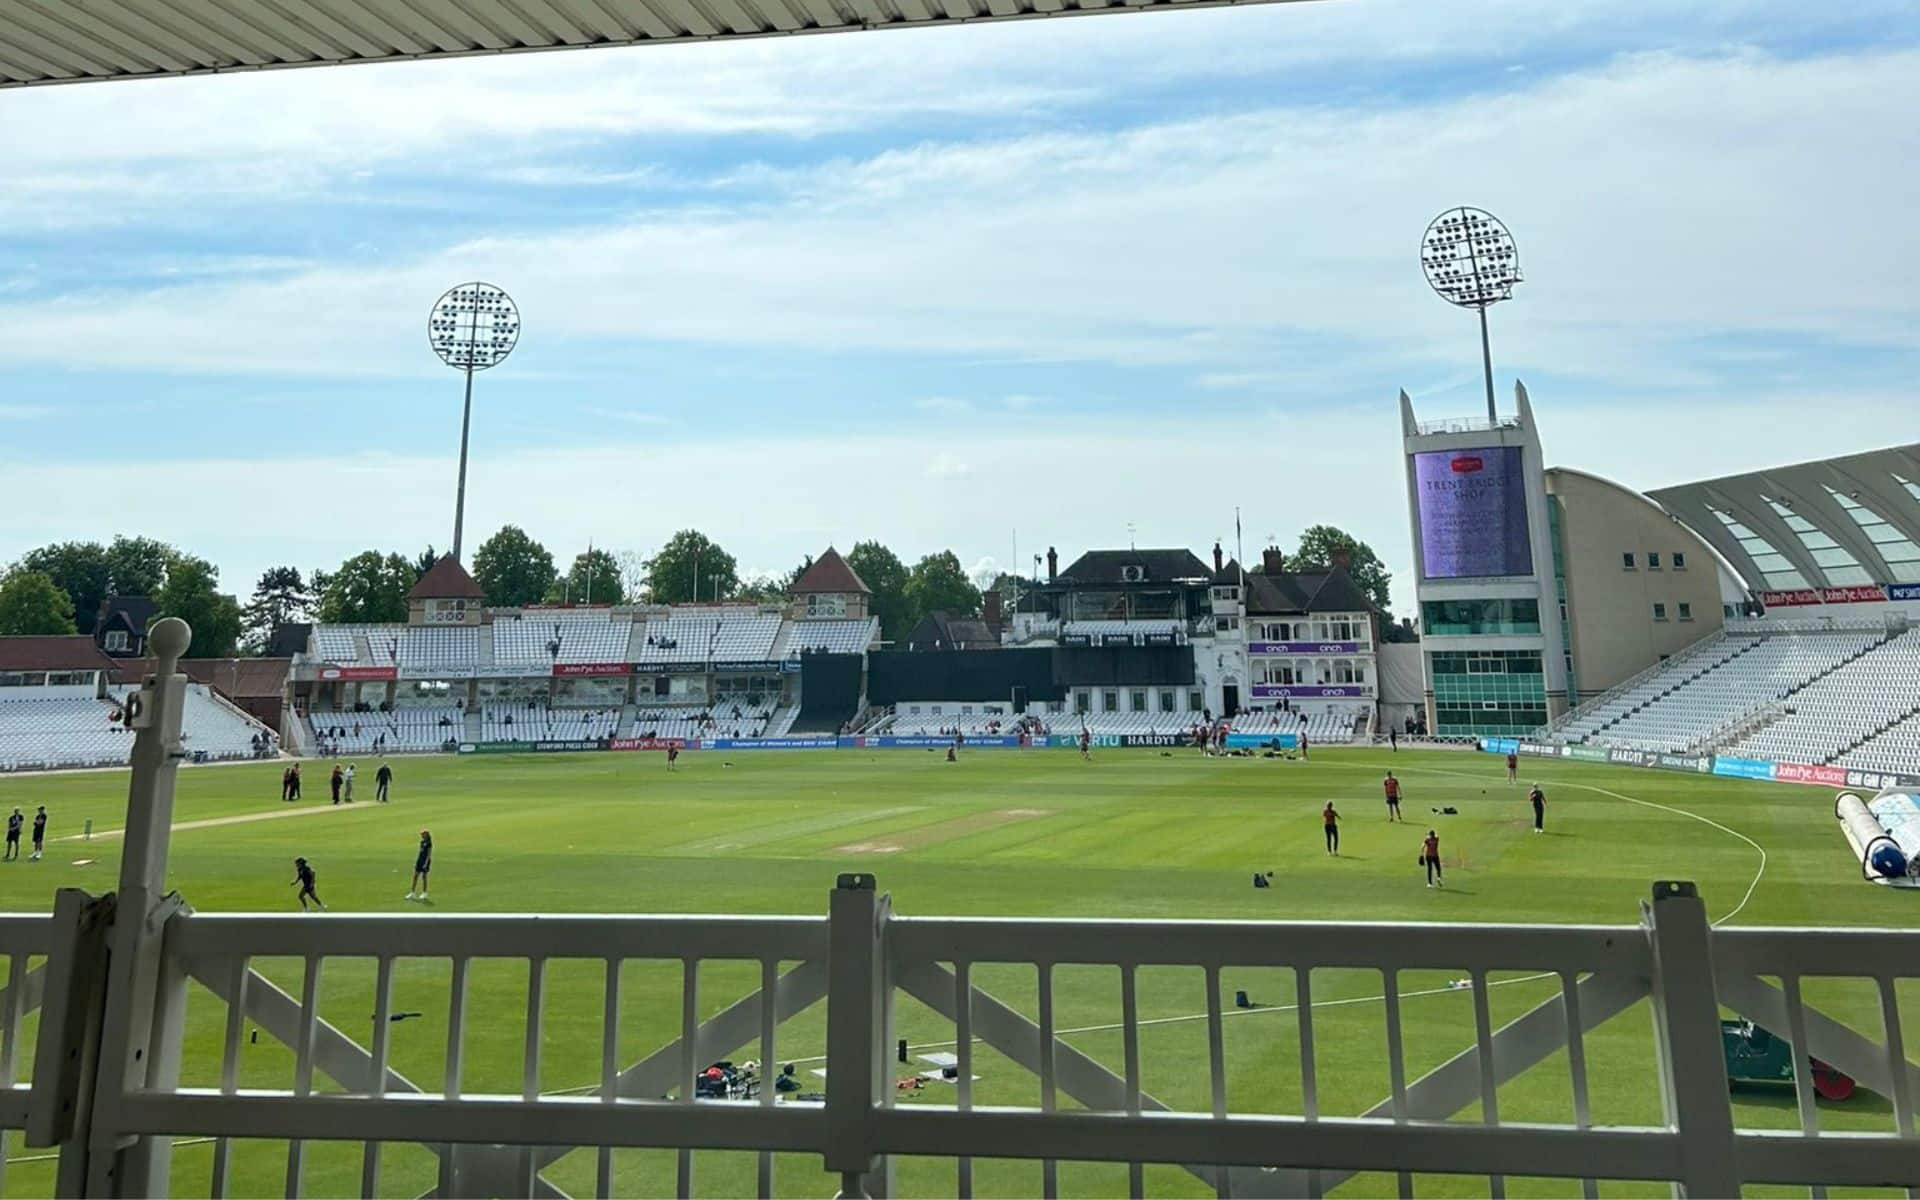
[
  {"x": 1488, "y": 691},
  {"x": 1457, "y": 617}
]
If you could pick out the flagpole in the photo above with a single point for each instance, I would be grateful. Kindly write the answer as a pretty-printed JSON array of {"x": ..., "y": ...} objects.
[{"x": 1239, "y": 554}]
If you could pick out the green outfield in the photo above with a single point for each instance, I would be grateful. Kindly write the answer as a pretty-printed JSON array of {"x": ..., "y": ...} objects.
[{"x": 1136, "y": 833}]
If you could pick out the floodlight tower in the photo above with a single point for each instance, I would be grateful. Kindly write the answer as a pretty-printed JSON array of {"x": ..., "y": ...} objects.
[
  {"x": 472, "y": 327},
  {"x": 1470, "y": 259}
]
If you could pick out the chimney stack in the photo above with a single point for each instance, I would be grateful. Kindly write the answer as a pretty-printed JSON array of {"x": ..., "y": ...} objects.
[
  {"x": 1343, "y": 559},
  {"x": 1273, "y": 561},
  {"x": 1053, "y": 563},
  {"x": 1219, "y": 564},
  {"x": 990, "y": 609}
]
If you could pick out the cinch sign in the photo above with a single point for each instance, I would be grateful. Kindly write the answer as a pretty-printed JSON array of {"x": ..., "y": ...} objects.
[{"x": 1303, "y": 647}]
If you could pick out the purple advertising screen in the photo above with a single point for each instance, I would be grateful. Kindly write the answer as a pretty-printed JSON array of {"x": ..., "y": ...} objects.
[{"x": 1473, "y": 513}]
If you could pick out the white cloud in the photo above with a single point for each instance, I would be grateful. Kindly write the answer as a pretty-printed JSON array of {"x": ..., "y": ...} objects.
[{"x": 1657, "y": 199}]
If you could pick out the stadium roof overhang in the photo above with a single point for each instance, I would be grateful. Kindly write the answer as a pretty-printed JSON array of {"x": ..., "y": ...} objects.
[
  {"x": 1838, "y": 522},
  {"x": 76, "y": 41}
]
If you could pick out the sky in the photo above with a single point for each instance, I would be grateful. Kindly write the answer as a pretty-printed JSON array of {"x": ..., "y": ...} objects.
[{"x": 996, "y": 288}]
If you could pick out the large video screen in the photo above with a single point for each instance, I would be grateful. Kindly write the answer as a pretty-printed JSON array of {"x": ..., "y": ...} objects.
[{"x": 1473, "y": 513}]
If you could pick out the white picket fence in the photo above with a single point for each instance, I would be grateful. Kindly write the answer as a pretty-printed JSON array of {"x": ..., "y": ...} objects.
[{"x": 111, "y": 977}]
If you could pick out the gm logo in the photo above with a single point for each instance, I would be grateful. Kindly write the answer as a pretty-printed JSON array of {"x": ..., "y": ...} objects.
[{"x": 1467, "y": 464}]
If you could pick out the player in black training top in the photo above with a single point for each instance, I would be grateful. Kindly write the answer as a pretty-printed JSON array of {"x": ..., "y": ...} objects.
[
  {"x": 303, "y": 875},
  {"x": 39, "y": 831},
  {"x": 14, "y": 822},
  {"x": 382, "y": 780},
  {"x": 422, "y": 864}
]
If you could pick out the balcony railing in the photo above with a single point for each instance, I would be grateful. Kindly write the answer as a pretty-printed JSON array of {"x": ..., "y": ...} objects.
[{"x": 112, "y": 980}]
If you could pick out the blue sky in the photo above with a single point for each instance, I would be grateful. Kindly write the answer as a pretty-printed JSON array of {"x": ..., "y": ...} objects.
[{"x": 950, "y": 288}]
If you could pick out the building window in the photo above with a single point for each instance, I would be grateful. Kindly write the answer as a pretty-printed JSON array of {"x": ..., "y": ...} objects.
[
  {"x": 116, "y": 639},
  {"x": 1083, "y": 702},
  {"x": 1196, "y": 702},
  {"x": 1139, "y": 701},
  {"x": 1679, "y": 561},
  {"x": 1456, "y": 617},
  {"x": 1166, "y": 701},
  {"x": 1686, "y": 611},
  {"x": 1626, "y": 561},
  {"x": 1653, "y": 560},
  {"x": 1659, "y": 611},
  {"x": 1110, "y": 701}
]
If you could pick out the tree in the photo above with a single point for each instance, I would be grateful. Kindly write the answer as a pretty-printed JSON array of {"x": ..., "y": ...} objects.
[
  {"x": 281, "y": 596},
  {"x": 1321, "y": 543},
  {"x": 423, "y": 562},
  {"x": 594, "y": 578},
  {"x": 763, "y": 589},
  {"x": 139, "y": 565},
  {"x": 633, "y": 574},
  {"x": 687, "y": 556},
  {"x": 189, "y": 593},
  {"x": 369, "y": 588},
  {"x": 80, "y": 569},
  {"x": 512, "y": 568},
  {"x": 31, "y": 602},
  {"x": 938, "y": 583},
  {"x": 886, "y": 576}
]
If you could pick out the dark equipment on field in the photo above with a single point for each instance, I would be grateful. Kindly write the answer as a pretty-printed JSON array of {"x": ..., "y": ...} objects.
[
  {"x": 1756, "y": 1056},
  {"x": 724, "y": 1081}
]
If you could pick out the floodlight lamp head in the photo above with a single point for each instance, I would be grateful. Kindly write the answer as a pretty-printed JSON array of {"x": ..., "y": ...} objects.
[
  {"x": 1469, "y": 258},
  {"x": 473, "y": 326}
]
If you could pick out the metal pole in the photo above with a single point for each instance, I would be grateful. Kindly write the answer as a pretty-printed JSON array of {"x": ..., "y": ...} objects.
[
  {"x": 466, "y": 419},
  {"x": 1486, "y": 362}
]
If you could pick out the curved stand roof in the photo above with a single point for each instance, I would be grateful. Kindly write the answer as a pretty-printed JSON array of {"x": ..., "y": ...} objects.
[
  {"x": 66, "y": 41},
  {"x": 1837, "y": 522}
]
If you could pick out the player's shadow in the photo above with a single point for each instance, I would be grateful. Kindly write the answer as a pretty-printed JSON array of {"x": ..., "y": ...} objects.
[{"x": 1457, "y": 891}]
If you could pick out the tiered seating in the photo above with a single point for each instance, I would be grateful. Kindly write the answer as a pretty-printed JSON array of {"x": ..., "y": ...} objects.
[
  {"x": 1840, "y": 708},
  {"x": 432, "y": 647},
  {"x": 1736, "y": 689},
  {"x": 583, "y": 638},
  {"x": 919, "y": 720},
  {"x": 1702, "y": 656},
  {"x": 1137, "y": 630},
  {"x": 210, "y": 726},
  {"x": 406, "y": 730},
  {"x": 831, "y": 637},
  {"x": 538, "y": 723},
  {"x": 728, "y": 717},
  {"x": 677, "y": 637},
  {"x": 37, "y": 734},
  {"x": 335, "y": 643},
  {"x": 1319, "y": 727},
  {"x": 1895, "y": 749},
  {"x": 747, "y": 638}
]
